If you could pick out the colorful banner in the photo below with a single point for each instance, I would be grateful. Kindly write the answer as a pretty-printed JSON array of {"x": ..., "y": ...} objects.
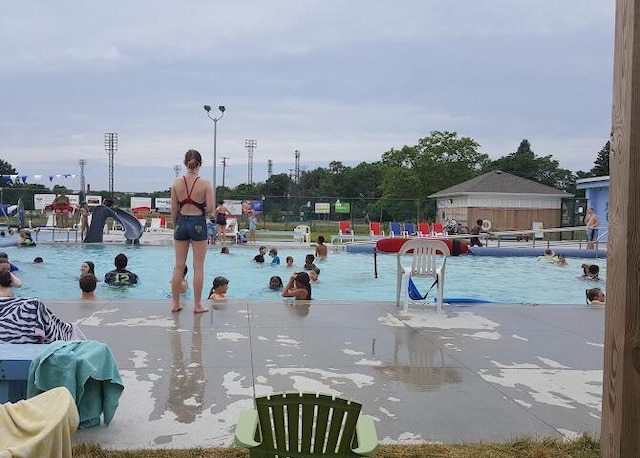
[
  {"x": 18, "y": 178},
  {"x": 251, "y": 206}
]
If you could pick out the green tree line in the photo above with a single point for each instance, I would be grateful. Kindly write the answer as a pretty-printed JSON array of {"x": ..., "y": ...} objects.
[{"x": 399, "y": 183}]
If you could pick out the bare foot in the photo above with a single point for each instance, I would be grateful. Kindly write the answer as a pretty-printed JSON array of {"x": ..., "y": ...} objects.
[
  {"x": 176, "y": 309},
  {"x": 200, "y": 310}
]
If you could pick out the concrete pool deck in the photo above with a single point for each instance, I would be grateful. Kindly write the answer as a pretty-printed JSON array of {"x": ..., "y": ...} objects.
[{"x": 484, "y": 372}]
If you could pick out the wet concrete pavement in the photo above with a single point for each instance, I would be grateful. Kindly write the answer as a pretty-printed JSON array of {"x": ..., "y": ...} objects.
[{"x": 481, "y": 372}]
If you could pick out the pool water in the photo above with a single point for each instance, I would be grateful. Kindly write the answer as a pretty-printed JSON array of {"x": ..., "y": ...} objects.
[{"x": 344, "y": 276}]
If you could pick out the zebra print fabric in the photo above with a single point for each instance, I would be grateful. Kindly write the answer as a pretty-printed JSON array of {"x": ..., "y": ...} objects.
[{"x": 28, "y": 320}]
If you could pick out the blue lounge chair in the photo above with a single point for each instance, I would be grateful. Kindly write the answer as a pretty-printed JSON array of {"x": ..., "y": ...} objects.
[
  {"x": 410, "y": 229},
  {"x": 395, "y": 229}
]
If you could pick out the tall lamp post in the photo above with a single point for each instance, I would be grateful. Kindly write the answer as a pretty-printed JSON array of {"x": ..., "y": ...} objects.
[{"x": 215, "y": 120}]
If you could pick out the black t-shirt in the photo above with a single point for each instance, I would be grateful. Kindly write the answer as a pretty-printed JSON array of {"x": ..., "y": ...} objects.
[
  {"x": 258, "y": 258},
  {"x": 120, "y": 278}
]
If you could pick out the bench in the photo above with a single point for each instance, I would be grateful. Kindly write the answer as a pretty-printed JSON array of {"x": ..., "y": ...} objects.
[{"x": 15, "y": 360}]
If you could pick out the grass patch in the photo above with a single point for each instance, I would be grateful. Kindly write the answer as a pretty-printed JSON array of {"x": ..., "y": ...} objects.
[{"x": 582, "y": 447}]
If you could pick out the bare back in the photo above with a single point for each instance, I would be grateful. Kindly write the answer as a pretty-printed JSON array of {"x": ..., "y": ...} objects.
[{"x": 200, "y": 192}]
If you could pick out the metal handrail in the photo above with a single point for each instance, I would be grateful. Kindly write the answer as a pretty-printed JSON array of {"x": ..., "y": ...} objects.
[{"x": 546, "y": 240}]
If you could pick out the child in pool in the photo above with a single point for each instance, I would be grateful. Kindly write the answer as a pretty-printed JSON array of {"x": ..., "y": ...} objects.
[
  {"x": 321, "y": 248},
  {"x": 219, "y": 288},
  {"x": 275, "y": 259},
  {"x": 561, "y": 260},
  {"x": 595, "y": 296},
  {"x": 298, "y": 286},
  {"x": 275, "y": 283}
]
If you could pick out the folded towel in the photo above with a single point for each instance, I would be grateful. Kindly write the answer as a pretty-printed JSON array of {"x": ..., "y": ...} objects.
[
  {"x": 88, "y": 370},
  {"x": 40, "y": 426}
]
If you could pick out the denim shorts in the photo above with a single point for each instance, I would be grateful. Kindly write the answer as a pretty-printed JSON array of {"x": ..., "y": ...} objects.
[{"x": 190, "y": 227}]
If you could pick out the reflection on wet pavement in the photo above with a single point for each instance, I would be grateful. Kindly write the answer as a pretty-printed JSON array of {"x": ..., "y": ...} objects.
[{"x": 487, "y": 372}]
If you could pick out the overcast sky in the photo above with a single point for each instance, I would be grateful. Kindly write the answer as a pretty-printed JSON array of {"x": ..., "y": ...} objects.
[{"x": 339, "y": 80}]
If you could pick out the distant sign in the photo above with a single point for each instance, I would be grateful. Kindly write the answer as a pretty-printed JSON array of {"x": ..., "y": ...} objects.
[
  {"x": 322, "y": 208},
  {"x": 343, "y": 207},
  {"x": 234, "y": 206},
  {"x": 163, "y": 204},
  {"x": 137, "y": 202},
  {"x": 94, "y": 201},
  {"x": 40, "y": 201},
  {"x": 251, "y": 206}
]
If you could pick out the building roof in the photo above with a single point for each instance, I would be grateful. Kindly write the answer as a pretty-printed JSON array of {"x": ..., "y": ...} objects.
[{"x": 500, "y": 182}]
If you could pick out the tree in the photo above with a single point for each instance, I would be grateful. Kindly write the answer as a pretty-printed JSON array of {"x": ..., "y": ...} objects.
[
  {"x": 601, "y": 164},
  {"x": 437, "y": 162},
  {"x": 277, "y": 185},
  {"x": 6, "y": 169},
  {"x": 524, "y": 163}
]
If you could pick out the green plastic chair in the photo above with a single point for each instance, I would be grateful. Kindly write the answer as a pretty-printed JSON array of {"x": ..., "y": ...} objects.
[{"x": 306, "y": 424}]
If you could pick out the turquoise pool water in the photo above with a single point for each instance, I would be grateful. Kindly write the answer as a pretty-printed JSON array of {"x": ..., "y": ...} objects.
[{"x": 344, "y": 276}]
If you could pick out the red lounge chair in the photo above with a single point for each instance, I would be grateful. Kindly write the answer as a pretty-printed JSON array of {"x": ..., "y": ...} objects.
[
  {"x": 345, "y": 228},
  {"x": 423, "y": 229},
  {"x": 375, "y": 229},
  {"x": 437, "y": 229}
]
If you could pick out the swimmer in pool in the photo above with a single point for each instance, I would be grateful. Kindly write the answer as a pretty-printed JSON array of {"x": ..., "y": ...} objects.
[
  {"x": 219, "y": 289},
  {"x": 595, "y": 296},
  {"x": 298, "y": 286},
  {"x": 275, "y": 283}
]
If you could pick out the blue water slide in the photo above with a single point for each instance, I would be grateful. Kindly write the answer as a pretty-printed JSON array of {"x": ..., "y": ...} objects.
[{"x": 132, "y": 228}]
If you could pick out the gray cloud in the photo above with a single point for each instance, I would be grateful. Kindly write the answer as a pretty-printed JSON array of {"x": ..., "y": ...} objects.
[{"x": 336, "y": 80}]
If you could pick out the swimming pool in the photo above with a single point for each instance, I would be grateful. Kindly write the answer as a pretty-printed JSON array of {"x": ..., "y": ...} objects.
[{"x": 344, "y": 276}]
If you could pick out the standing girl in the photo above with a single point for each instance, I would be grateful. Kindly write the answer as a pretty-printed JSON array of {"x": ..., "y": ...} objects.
[{"x": 191, "y": 201}]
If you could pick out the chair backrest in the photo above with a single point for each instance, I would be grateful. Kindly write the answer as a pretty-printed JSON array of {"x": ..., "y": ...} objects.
[
  {"x": 423, "y": 228},
  {"x": 302, "y": 229},
  {"x": 410, "y": 228},
  {"x": 437, "y": 228},
  {"x": 395, "y": 228},
  {"x": 425, "y": 261},
  {"x": 345, "y": 227},
  {"x": 375, "y": 228},
  {"x": 306, "y": 424},
  {"x": 232, "y": 226}
]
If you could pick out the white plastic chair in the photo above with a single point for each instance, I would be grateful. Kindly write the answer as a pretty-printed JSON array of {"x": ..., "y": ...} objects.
[
  {"x": 302, "y": 233},
  {"x": 424, "y": 264},
  {"x": 155, "y": 225},
  {"x": 231, "y": 229}
]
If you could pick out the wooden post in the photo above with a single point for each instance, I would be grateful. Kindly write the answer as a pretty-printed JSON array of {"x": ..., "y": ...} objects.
[{"x": 620, "y": 436}]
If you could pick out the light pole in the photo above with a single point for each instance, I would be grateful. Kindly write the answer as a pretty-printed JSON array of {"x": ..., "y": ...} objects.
[{"x": 215, "y": 120}]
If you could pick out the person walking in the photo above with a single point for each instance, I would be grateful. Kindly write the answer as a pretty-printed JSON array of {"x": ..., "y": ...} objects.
[{"x": 191, "y": 201}]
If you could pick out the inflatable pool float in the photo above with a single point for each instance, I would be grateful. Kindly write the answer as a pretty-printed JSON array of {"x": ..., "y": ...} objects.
[
  {"x": 10, "y": 240},
  {"x": 393, "y": 245},
  {"x": 467, "y": 300}
]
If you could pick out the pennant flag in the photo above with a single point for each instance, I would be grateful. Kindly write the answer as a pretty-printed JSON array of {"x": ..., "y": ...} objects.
[{"x": 24, "y": 179}]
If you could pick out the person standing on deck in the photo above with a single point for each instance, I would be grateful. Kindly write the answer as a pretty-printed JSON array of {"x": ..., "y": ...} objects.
[
  {"x": 592, "y": 222},
  {"x": 191, "y": 201}
]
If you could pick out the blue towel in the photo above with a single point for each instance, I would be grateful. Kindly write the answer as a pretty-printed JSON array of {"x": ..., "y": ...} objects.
[
  {"x": 88, "y": 370},
  {"x": 413, "y": 292}
]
